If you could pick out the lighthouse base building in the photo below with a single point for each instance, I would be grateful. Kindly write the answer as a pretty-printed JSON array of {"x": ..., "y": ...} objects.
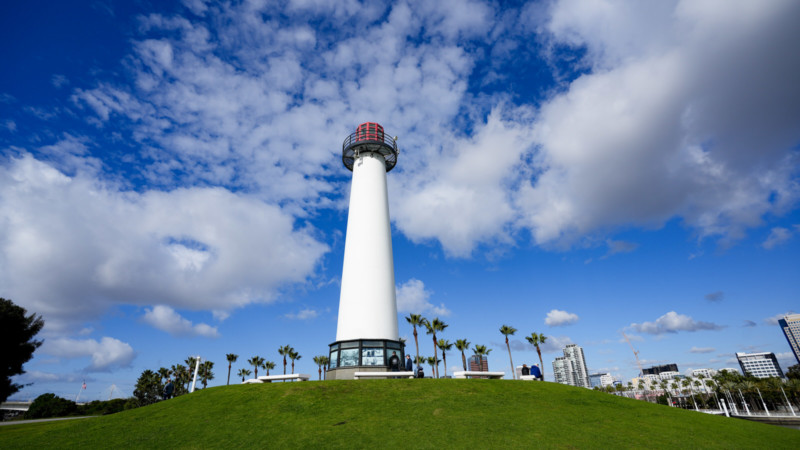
[{"x": 366, "y": 335}]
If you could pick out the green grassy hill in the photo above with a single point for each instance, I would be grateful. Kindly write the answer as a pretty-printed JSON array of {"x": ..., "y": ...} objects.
[{"x": 401, "y": 414}]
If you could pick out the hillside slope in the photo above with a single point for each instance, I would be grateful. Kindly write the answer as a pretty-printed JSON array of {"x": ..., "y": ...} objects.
[{"x": 402, "y": 414}]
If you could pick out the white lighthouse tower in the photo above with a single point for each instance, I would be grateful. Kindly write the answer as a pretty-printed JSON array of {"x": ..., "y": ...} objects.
[{"x": 367, "y": 336}]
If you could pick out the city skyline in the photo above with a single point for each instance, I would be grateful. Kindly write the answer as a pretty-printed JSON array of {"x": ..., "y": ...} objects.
[{"x": 171, "y": 179}]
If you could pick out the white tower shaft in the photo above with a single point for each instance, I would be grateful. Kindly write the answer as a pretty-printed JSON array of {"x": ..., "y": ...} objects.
[{"x": 367, "y": 304}]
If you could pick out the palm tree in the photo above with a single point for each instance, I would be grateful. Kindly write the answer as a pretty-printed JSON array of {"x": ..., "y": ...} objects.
[
  {"x": 480, "y": 351},
  {"x": 444, "y": 345},
  {"x": 164, "y": 373},
  {"x": 433, "y": 327},
  {"x": 319, "y": 361},
  {"x": 256, "y": 362},
  {"x": 506, "y": 330},
  {"x": 231, "y": 359},
  {"x": 463, "y": 344},
  {"x": 416, "y": 320},
  {"x": 205, "y": 373},
  {"x": 433, "y": 362},
  {"x": 535, "y": 340},
  {"x": 181, "y": 378},
  {"x": 284, "y": 351},
  {"x": 293, "y": 355},
  {"x": 325, "y": 362},
  {"x": 191, "y": 363},
  {"x": 243, "y": 373},
  {"x": 269, "y": 365}
]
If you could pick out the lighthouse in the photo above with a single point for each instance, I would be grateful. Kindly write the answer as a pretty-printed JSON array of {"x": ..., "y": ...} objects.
[{"x": 366, "y": 333}]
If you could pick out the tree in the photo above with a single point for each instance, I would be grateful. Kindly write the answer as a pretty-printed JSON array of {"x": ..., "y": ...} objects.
[
  {"x": 325, "y": 362},
  {"x": 48, "y": 405},
  {"x": 433, "y": 327},
  {"x": 191, "y": 363},
  {"x": 164, "y": 373},
  {"x": 231, "y": 359},
  {"x": 506, "y": 330},
  {"x": 793, "y": 373},
  {"x": 480, "y": 351},
  {"x": 17, "y": 330},
  {"x": 433, "y": 362},
  {"x": 256, "y": 362},
  {"x": 444, "y": 345},
  {"x": 269, "y": 365},
  {"x": 284, "y": 351},
  {"x": 243, "y": 373},
  {"x": 205, "y": 372},
  {"x": 319, "y": 361},
  {"x": 416, "y": 320},
  {"x": 535, "y": 340},
  {"x": 181, "y": 375},
  {"x": 148, "y": 388},
  {"x": 293, "y": 355},
  {"x": 463, "y": 344}
]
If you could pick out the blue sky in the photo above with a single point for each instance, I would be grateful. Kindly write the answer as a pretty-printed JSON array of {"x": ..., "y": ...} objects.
[{"x": 172, "y": 183}]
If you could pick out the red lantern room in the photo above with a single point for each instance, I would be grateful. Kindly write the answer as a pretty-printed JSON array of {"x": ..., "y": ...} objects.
[{"x": 369, "y": 138}]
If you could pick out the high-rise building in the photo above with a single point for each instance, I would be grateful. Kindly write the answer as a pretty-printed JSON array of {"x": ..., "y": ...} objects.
[
  {"x": 479, "y": 365},
  {"x": 655, "y": 370},
  {"x": 790, "y": 324},
  {"x": 706, "y": 373},
  {"x": 571, "y": 368},
  {"x": 600, "y": 380},
  {"x": 760, "y": 365}
]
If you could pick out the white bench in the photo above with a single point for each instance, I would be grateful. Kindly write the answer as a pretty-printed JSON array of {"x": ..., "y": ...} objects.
[
  {"x": 528, "y": 377},
  {"x": 361, "y": 375},
  {"x": 291, "y": 376},
  {"x": 251, "y": 381},
  {"x": 477, "y": 374}
]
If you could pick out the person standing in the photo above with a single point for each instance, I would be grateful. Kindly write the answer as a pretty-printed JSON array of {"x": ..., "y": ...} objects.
[
  {"x": 394, "y": 362},
  {"x": 168, "y": 389},
  {"x": 409, "y": 364}
]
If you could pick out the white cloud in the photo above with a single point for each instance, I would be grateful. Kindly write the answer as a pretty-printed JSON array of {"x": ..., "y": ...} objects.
[
  {"x": 774, "y": 319},
  {"x": 702, "y": 350},
  {"x": 673, "y": 322},
  {"x": 106, "y": 355},
  {"x": 303, "y": 314},
  {"x": 777, "y": 236},
  {"x": 412, "y": 297},
  {"x": 554, "y": 344},
  {"x": 166, "y": 319},
  {"x": 72, "y": 246},
  {"x": 558, "y": 318},
  {"x": 671, "y": 123}
]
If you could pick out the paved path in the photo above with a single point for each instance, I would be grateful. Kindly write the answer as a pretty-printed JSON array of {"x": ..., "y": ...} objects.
[{"x": 17, "y": 422}]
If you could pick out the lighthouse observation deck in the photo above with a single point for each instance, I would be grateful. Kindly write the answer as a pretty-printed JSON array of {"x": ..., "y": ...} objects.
[{"x": 369, "y": 138}]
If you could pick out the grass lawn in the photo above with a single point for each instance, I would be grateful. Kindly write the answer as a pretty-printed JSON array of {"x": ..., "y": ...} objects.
[{"x": 402, "y": 414}]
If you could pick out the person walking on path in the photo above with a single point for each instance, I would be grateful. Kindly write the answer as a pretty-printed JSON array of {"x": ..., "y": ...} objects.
[{"x": 409, "y": 364}]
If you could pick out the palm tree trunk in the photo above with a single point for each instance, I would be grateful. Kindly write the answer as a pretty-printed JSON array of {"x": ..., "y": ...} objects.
[
  {"x": 416, "y": 342},
  {"x": 435, "y": 357},
  {"x": 463, "y": 360},
  {"x": 541, "y": 363},
  {"x": 229, "y": 374},
  {"x": 513, "y": 372},
  {"x": 444, "y": 359}
]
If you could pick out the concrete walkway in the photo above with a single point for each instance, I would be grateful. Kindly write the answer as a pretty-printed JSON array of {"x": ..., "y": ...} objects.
[{"x": 17, "y": 422}]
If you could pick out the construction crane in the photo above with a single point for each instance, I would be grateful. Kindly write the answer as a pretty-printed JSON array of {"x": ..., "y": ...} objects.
[{"x": 635, "y": 354}]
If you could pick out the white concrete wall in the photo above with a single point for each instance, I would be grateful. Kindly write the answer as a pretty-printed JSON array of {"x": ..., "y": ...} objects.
[{"x": 367, "y": 303}]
